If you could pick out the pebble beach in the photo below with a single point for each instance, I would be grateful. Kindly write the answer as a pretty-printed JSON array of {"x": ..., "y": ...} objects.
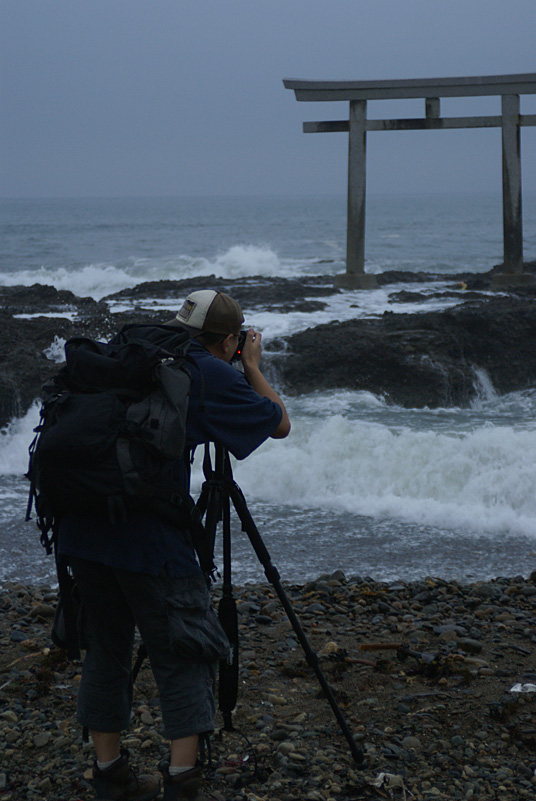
[{"x": 435, "y": 679}]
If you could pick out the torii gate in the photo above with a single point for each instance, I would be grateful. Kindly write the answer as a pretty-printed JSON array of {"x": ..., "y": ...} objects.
[{"x": 509, "y": 87}]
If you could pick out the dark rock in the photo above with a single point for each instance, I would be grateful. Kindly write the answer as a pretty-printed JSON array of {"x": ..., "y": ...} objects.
[
  {"x": 419, "y": 297},
  {"x": 18, "y": 636},
  {"x": 420, "y": 360},
  {"x": 23, "y": 364},
  {"x": 42, "y": 298},
  {"x": 469, "y": 645},
  {"x": 414, "y": 360},
  {"x": 277, "y": 294}
]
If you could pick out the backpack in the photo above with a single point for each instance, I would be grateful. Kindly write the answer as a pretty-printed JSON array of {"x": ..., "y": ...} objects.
[{"x": 112, "y": 430}]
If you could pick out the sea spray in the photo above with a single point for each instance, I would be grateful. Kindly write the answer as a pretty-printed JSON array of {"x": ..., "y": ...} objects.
[
  {"x": 92, "y": 280},
  {"x": 100, "y": 279},
  {"x": 485, "y": 391},
  {"x": 243, "y": 260},
  {"x": 480, "y": 480},
  {"x": 15, "y": 439}
]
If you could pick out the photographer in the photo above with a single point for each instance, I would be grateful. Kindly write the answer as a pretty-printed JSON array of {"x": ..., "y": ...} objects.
[{"x": 144, "y": 573}]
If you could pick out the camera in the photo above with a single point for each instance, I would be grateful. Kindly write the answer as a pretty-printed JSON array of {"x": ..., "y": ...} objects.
[{"x": 241, "y": 341}]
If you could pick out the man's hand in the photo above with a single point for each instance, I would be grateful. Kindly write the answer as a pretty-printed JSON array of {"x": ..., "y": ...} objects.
[
  {"x": 251, "y": 356},
  {"x": 252, "y": 350}
]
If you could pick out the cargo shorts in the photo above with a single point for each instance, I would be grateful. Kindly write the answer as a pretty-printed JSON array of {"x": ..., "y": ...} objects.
[{"x": 180, "y": 630}]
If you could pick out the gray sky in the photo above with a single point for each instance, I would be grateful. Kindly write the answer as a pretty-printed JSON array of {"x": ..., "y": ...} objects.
[{"x": 185, "y": 97}]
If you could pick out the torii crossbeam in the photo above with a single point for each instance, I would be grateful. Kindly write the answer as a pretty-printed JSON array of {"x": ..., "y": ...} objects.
[{"x": 508, "y": 87}]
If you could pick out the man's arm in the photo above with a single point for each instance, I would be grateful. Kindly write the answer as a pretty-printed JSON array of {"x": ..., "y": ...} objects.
[{"x": 251, "y": 356}]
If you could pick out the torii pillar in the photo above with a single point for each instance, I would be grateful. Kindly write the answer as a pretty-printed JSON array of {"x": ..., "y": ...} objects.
[{"x": 355, "y": 276}]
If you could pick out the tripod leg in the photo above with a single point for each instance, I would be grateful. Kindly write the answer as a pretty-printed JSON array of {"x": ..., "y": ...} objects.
[
  {"x": 249, "y": 527},
  {"x": 228, "y": 615}
]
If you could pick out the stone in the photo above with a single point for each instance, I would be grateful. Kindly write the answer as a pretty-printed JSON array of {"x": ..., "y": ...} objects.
[
  {"x": 10, "y": 716},
  {"x": 374, "y": 355},
  {"x": 277, "y": 700},
  {"x": 46, "y": 785},
  {"x": 469, "y": 645},
  {"x": 18, "y": 636},
  {"x": 41, "y": 739},
  {"x": 42, "y": 610},
  {"x": 412, "y": 743}
]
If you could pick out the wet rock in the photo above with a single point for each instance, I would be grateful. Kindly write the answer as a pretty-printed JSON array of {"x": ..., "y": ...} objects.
[
  {"x": 418, "y": 360},
  {"x": 430, "y": 359}
]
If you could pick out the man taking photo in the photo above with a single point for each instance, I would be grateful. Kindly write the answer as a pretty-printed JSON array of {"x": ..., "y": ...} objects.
[{"x": 143, "y": 572}]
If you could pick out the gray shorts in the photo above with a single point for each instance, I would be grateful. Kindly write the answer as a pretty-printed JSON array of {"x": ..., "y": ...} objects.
[{"x": 181, "y": 632}]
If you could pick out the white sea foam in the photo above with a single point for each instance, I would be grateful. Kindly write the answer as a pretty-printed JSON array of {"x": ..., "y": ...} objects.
[
  {"x": 480, "y": 477},
  {"x": 70, "y": 315},
  {"x": 93, "y": 280},
  {"x": 247, "y": 260},
  {"x": 482, "y": 480},
  {"x": 14, "y": 441},
  {"x": 485, "y": 391},
  {"x": 101, "y": 279},
  {"x": 355, "y": 468},
  {"x": 350, "y": 305},
  {"x": 238, "y": 261},
  {"x": 56, "y": 352}
]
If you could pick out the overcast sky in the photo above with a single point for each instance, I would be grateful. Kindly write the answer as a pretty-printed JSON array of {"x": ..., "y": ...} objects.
[{"x": 185, "y": 97}]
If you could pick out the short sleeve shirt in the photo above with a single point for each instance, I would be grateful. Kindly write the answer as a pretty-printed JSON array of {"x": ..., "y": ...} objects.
[{"x": 223, "y": 408}]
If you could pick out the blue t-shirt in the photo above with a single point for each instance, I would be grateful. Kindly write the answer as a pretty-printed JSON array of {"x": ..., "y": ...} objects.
[{"x": 223, "y": 408}]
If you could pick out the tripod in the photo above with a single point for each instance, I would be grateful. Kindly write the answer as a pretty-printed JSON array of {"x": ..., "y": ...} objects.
[{"x": 217, "y": 493}]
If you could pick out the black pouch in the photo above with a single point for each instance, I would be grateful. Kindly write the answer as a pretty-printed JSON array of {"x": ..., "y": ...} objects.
[
  {"x": 195, "y": 633},
  {"x": 65, "y": 631}
]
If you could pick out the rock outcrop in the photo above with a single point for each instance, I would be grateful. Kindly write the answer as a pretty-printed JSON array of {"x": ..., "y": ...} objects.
[{"x": 415, "y": 360}]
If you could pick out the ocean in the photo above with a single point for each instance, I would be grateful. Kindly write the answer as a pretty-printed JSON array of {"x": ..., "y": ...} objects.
[{"x": 360, "y": 485}]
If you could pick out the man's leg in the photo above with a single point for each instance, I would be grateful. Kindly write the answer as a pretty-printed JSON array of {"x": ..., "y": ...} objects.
[
  {"x": 184, "y": 752},
  {"x": 106, "y": 745},
  {"x": 186, "y": 686},
  {"x": 185, "y": 682},
  {"x": 105, "y": 696},
  {"x": 107, "y": 630}
]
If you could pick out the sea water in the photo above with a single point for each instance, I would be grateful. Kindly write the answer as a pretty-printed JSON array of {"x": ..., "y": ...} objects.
[{"x": 360, "y": 485}]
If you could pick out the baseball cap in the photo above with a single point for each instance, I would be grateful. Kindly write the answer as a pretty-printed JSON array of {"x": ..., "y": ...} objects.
[{"x": 209, "y": 311}]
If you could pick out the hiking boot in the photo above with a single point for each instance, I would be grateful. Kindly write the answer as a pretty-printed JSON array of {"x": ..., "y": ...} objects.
[
  {"x": 185, "y": 786},
  {"x": 120, "y": 783}
]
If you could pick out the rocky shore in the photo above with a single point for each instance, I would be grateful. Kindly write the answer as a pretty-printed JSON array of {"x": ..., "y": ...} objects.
[
  {"x": 414, "y": 360},
  {"x": 435, "y": 679}
]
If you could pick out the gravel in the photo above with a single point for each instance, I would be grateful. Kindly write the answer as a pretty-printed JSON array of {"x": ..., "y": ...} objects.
[{"x": 436, "y": 681}]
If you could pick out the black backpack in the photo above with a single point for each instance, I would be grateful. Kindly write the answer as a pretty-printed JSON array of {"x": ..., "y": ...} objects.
[{"x": 112, "y": 430}]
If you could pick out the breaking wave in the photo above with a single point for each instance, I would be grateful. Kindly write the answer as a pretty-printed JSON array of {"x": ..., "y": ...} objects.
[{"x": 99, "y": 280}]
